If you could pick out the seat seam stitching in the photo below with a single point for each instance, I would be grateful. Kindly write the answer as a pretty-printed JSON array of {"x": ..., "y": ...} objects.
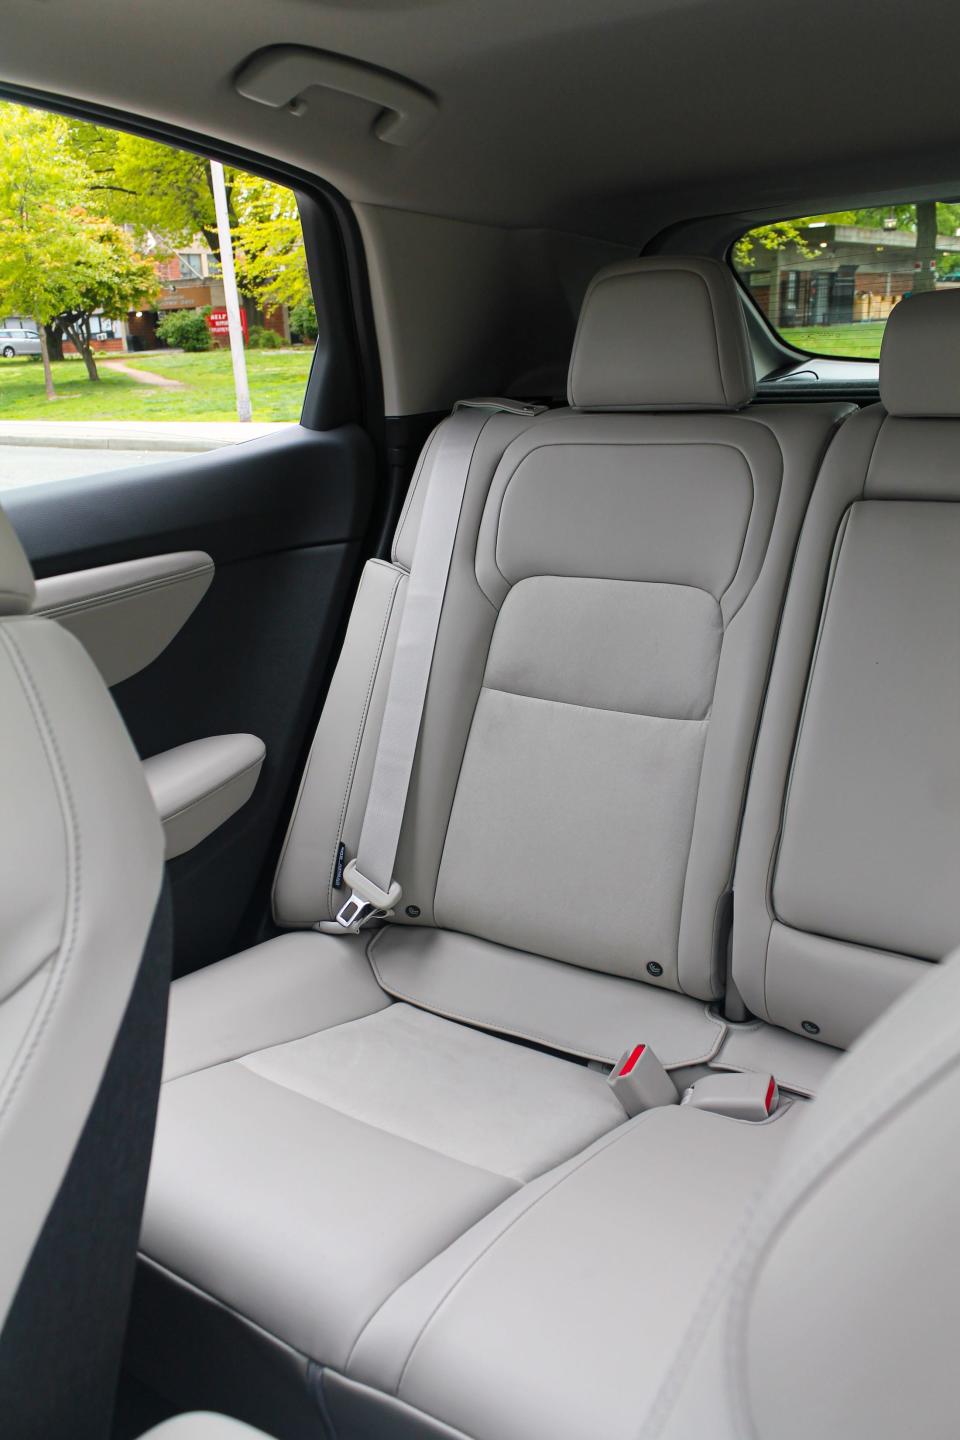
[
  {"x": 378, "y": 1129},
  {"x": 278, "y": 1045},
  {"x": 751, "y": 520},
  {"x": 550, "y": 1041},
  {"x": 858, "y": 1129},
  {"x": 598, "y": 709},
  {"x": 55, "y": 609},
  {"x": 599, "y": 1147},
  {"x": 208, "y": 1294},
  {"x": 209, "y": 794},
  {"x": 66, "y": 805},
  {"x": 603, "y": 443}
]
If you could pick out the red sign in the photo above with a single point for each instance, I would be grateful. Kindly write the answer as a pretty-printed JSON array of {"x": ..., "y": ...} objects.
[{"x": 218, "y": 324}]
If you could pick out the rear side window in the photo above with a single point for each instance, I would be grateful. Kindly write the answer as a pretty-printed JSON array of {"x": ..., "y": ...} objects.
[
  {"x": 827, "y": 283},
  {"x": 120, "y": 344}
]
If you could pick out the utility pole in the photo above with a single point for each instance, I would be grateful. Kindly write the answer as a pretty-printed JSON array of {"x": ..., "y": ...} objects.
[{"x": 231, "y": 297}]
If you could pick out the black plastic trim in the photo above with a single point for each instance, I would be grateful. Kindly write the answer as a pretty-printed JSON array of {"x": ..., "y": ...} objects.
[
  {"x": 63, "y": 1335},
  {"x": 217, "y": 502}
]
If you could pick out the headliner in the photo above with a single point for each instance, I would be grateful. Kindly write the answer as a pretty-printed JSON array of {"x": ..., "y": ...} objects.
[{"x": 602, "y": 117}]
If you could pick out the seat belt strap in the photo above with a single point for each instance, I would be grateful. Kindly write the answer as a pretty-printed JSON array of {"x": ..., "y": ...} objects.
[{"x": 374, "y": 891}]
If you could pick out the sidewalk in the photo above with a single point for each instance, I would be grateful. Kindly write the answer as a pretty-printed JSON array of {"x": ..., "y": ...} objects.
[{"x": 169, "y": 435}]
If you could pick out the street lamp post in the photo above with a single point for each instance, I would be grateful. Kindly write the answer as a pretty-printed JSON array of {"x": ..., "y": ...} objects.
[{"x": 231, "y": 297}]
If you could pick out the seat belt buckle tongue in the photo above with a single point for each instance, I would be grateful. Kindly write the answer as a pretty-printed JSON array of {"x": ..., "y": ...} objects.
[
  {"x": 366, "y": 901},
  {"x": 640, "y": 1082},
  {"x": 744, "y": 1095}
]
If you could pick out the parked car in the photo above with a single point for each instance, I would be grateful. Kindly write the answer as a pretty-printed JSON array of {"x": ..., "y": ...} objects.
[{"x": 19, "y": 342}]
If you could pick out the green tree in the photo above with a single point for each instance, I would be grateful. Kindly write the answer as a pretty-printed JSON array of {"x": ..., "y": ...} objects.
[
  {"x": 271, "y": 260},
  {"x": 106, "y": 276},
  {"x": 303, "y": 319},
  {"x": 60, "y": 263},
  {"x": 153, "y": 188},
  {"x": 773, "y": 239},
  {"x": 168, "y": 195},
  {"x": 36, "y": 166}
]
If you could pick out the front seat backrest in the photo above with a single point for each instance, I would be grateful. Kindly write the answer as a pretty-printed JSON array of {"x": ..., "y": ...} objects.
[
  {"x": 837, "y": 1308},
  {"x": 84, "y": 952}
]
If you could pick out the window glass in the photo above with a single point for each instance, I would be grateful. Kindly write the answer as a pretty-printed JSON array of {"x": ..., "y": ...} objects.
[
  {"x": 191, "y": 266},
  {"x": 827, "y": 283},
  {"x": 113, "y": 301}
]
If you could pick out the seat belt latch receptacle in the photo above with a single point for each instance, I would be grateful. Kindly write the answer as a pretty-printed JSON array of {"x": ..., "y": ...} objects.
[
  {"x": 366, "y": 901},
  {"x": 742, "y": 1096},
  {"x": 640, "y": 1082}
]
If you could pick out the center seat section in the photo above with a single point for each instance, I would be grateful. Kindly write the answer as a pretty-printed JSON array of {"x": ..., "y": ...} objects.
[
  {"x": 339, "y": 1109},
  {"x": 570, "y": 1309}
]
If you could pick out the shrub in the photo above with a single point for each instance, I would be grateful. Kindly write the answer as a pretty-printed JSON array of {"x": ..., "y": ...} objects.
[
  {"x": 303, "y": 321},
  {"x": 186, "y": 329},
  {"x": 263, "y": 339}
]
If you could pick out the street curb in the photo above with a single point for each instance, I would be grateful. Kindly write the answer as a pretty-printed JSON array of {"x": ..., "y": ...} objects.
[{"x": 196, "y": 445}]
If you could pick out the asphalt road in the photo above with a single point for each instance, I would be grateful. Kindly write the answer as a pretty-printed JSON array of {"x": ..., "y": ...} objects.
[{"x": 33, "y": 464}]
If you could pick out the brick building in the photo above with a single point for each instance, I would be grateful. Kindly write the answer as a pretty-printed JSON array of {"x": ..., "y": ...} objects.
[
  {"x": 840, "y": 274},
  {"x": 190, "y": 280}
]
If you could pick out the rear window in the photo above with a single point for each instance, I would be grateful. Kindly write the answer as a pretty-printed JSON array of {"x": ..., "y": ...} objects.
[{"x": 827, "y": 283}]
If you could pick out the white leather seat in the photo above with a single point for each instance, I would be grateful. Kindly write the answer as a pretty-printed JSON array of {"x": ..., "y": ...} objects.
[
  {"x": 852, "y": 827},
  {"x": 568, "y": 849},
  {"x": 846, "y": 878},
  {"x": 694, "y": 1276},
  {"x": 84, "y": 967},
  {"x": 836, "y": 1310}
]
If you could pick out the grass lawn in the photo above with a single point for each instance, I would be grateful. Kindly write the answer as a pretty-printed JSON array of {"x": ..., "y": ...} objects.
[
  {"x": 278, "y": 379},
  {"x": 851, "y": 342}
]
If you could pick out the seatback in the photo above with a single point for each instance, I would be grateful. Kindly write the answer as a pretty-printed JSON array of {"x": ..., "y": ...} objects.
[
  {"x": 846, "y": 884},
  {"x": 82, "y": 1006},
  {"x": 837, "y": 1307},
  {"x": 605, "y": 637}
]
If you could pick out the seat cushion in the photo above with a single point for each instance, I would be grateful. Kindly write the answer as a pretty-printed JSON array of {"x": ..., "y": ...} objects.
[
  {"x": 301, "y": 1182},
  {"x": 560, "y": 1313}
]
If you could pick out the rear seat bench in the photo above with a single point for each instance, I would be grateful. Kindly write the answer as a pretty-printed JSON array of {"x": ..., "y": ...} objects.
[
  {"x": 563, "y": 1312},
  {"x": 383, "y": 1209}
]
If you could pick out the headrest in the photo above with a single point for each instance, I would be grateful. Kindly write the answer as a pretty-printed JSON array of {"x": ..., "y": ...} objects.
[
  {"x": 664, "y": 333},
  {"x": 16, "y": 577},
  {"x": 920, "y": 356}
]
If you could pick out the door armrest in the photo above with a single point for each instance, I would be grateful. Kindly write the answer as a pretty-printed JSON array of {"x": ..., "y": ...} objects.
[{"x": 197, "y": 786}]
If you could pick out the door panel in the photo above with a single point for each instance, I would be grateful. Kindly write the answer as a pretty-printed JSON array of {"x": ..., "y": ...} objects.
[
  {"x": 284, "y": 520},
  {"x": 297, "y": 487}
]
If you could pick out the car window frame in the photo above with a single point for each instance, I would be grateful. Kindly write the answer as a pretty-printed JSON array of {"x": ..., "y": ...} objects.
[{"x": 344, "y": 383}]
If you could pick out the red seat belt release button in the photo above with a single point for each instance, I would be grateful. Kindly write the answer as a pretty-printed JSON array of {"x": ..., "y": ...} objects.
[
  {"x": 745, "y": 1096},
  {"x": 640, "y": 1082}
]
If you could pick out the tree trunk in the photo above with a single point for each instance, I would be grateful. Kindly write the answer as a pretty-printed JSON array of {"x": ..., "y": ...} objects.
[
  {"x": 86, "y": 351},
  {"x": 79, "y": 336},
  {"x": 45, "y": 357},
  {"x": 925, "y": 277},
  {"x": 54, "y": 337}
]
